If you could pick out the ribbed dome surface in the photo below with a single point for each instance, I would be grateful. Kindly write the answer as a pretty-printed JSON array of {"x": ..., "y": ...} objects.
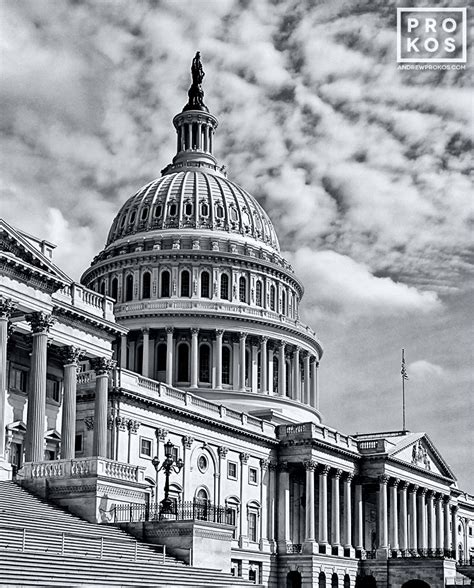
[{"x": 193, "y": 200}]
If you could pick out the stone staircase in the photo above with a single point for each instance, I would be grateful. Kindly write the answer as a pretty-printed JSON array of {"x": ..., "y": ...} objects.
[{"x": 42, "y": 545}]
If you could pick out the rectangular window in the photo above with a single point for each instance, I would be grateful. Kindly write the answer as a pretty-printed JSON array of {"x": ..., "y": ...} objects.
[
  {"x": 18, "y": 379},
  {"x": 232, "y": 470},
  {"x": 146, "y": 446},
  {"x": 255, "y": 572},
  {"x": 253, "y": 476},
  {"x": 175, "y": 454},
  {"x": 252, "y": 524},
  {"x": 231, "y": 519},
  {"x": 236, "y": 567},
  {"x": 52, "y": 389},
  {"x": 79, "y": 443}
]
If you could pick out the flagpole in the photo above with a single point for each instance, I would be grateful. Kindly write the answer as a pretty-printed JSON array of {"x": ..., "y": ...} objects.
[{"x": 404, "y": 377}]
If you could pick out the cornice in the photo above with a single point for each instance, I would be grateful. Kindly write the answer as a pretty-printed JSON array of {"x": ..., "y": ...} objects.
[
  {"x": 383, "y": 457},
  {"x": 29, "y": 274},
  {"x": 321, "y": 444},
  {"x": 77, "y": 317}
]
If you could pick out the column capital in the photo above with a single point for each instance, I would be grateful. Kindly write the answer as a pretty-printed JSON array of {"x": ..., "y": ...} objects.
[
  {"x": 222, "y": 451},
  {"x": 281, "y": 345},
  {"x": 102, "y": 365},
  {"x": 40, "y": 322},
  {"x": 404, "y": 486},
  {"x": 169, "y": 330},
  {"x": 348, "y": 476},
  {"x": 282, "y": 466},
  {"x": 394, "y": 482},
  {"x": 70, "y": 355},
  {"x": 446, "y": 499},
  {"x": 244, "y": 457},
  {"x": 414, "y": 488},
  {"x": 454, "y": 508},
  {"x": 273, "y": 466},
  {"x": 383, "y": 479},
  {"x": 219, "y": 332},
  {"x": 324, "y": 470},
  {"x": 437, "y": 497},
  {"x": 187, "y": 441},
  {"x": 194, "y": 331},
  {"x": 145, "y": 330},
  {"x": 243, "y": 335},
  {"x": 264, "y": 463},
  {"x": 423, "y": 491},
  {"x": 304, "y": 353},
  {"x": 263, "y": 338},
  {"x": 161, "y": 434},
  {"x": 133, "y": 426},
  {"x": 7, "y": 307},
  {"x": 337, "y": 474},
  {"x": 310, "y": 465}
]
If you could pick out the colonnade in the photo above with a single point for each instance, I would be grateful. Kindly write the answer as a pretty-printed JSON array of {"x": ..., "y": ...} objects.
[
  {"x": 41, "y": 323},
  {"x": 250, "y": 363}
]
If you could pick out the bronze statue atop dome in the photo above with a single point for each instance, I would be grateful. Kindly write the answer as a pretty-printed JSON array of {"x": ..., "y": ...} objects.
[{"x": 195, "y": 92}]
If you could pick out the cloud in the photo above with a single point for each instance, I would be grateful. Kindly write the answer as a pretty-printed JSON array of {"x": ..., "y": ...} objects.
[
  {"x": 423, "y": 370},
  {"x": 339, "y": 285}
]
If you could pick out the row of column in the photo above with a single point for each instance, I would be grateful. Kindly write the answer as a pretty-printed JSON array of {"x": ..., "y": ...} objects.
[
  {"x": 41, "y": 323},
  {"x": 204, "y": 136},
  {"x": 415, "y": 518},
  {"x": 300, "y": 384}
]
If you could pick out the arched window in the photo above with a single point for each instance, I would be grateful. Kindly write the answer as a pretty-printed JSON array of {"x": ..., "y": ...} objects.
[
  {"x": 114, "y": 292},
  {"x": 146, "y": 285},
  {"x": 272, "y": 297},
  {"x": 102, "y": 288},
  {"x": 220, "y": 211},
  {"x": 258, "y": 293},
  {"x": 226, "y": 365},
  {"x": 347, "y": 581},
  {"x": 165, "y": 284},
  {"x": 204, "y": 209},
  {"x": 188, "y": 209},
  {"x": 205, "y": 279},
  {"x": 202, "y": 504},
  {"x": 185, "y": 282},
  {"x": 283, "y": 302},
  {"x": 225, "y": 287},
  {"x": 129, "y": 288},
  {"x": 205, "y": 364},
  {"x": 139, "y": 359},
  {"x": 173, "y": 209},
  {"x": 144, "y": 214},
  {"x": 322, "y": 580},
  {"x": 183, "y": 362},
  {"x": 242, "y": 289},
  {"x": 133, "y": 216},
  {"x": 161, "y": 357},
  {"x": 334, "y": 581},
  {"x": 247, "y": 367},
  {"x": 158, "y": 210}
]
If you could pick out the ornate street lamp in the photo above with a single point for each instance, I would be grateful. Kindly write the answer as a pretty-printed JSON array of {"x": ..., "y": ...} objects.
[
  {"x": 168, "y": 466},
  {"x": 155, "y": 462}
]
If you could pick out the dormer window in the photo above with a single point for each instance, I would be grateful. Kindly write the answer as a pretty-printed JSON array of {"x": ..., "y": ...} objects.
[
  {"x": 204, "y": 209},
  {"x": 144, "y": 214},
  {"x": 188, "y": 209},
  {"x": 158, "y": 210},
  {"x": 173, "y": 209},
  {"x": 220, "y": 211},
  {"x": 233, "y": 214},
  {"x": 133, "y": 216}
]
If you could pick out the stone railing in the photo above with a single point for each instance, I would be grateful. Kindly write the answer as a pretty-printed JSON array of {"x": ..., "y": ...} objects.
[
  {"x": 79, "y": 468},
  {"x": 84, "y": 299},
  {"x": 317, "y": 431},
  {"x": 372, "y": 446}
]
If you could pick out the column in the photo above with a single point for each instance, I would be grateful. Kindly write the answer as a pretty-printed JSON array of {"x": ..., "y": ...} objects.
[
  {"x": 454, "y": 531},
  {"x": 264, "y": 473},
  {"x": 283, "y": 507},
  {"x": 254, "y": 366},
  {"x": 242, "y": 341},
  {"x": 348, "y": 511},
  {"x": 336, "y": 511},
  {"x": 102, "y": 366},
  {"x": 169, "y": 355},
  {"x": 219, "y": 335},
  {"x": 189, "y": 136},
  {"x": 40, "y": 324},
  {"x": 403, "y": 517},
  {"x": 383, "y": 513},
  {"x": 222, "y": 453},
  {"x": 296, "y": 375},
  {"x": 323, "y": 506},
  {"x": 243, "y": 536},
  {"x": 146, "y": 351},
  {"x": 6, "y": 310},
  {"x": 123, "y": 351},
  {"x": 314, "y": 394},
  {"x": 447, "y": 521},
  {"x": 70, "y": 357},
  {"x": 199, "y": 136},
  {"x": 271, "y": 501},
  {"x": 359, "y": 517},
  {"x": 281, "y": 370},
  {"x": 263, "y": 365},
  {"x": 439, "y": 522},
  {"x": 310, "y": 531},
  {"x": 271, "y": 391},
  {"x": 194, "y": 357},
  {"x": 431, "y": 522},
  {"x": 393, "y": 518},
  {"x": 307, "y": 383},
  {"x": 187, "y": 442},
  {"x": 413, "y": 518},
  {"x": 422, "y": 535}
]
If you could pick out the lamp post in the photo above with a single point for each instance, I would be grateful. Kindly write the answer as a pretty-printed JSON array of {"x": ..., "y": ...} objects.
[
  {"x": 168, "y": 466},
  {"x": 155, "y": 462}
]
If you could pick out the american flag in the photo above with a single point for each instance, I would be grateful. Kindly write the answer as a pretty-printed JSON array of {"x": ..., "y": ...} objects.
[{"x": 404, "y": 369}]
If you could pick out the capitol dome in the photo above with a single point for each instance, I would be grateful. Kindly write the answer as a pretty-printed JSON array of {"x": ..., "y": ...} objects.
[
  {"x": 211, "y": 306},
  {"x": 194, "y": 200}
]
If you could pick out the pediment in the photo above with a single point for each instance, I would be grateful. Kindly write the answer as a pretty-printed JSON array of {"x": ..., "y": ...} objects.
[
  {"x": 19, "y": 250},
  {"x": 418, "y": 451}
]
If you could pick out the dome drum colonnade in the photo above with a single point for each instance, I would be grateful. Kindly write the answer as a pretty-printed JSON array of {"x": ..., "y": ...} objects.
[{"x": 194, "y": 264}]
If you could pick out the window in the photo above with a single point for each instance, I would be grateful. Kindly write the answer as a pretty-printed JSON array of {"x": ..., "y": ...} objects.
[
  {"x": 146, "y": 446},
  {"x": 236, "y": 567},
  {"x": 202, "y": 505},
  {"x": 185, "y": 282},
  {"x": 232, "y": 470},
  {"x": 183, "y": 362},
  {"x": 231, "y": 519},
  {"x": 233, "y": 214},
  {"x": 283, "y": 302},
  {"x": 272, "y": 297},
  {"x": 188, "y": 209},
  {"x": 158, "y": 211},
  {"x": 102, "y": 288},
  {"x": 173, "y": 209},
  {"x": 122, "y": 221},
  {"x": 161, "y": 357},
  {"x": 255, "y": 572},
  {"x": 133, "y": 216},
  {"x": 253, "y": 476},
  {"x": 144, "y": 214},
  {"x": 202, "y": 463},
  {"x": 219, "y": 211},
  {"x": 129, "y": 288},
  {"x": 252, "y": 526},
  {"x": 114, "y": 292},
  {"x": 258, "y": 293},
  {"x": 18, "y": 379},
  {"x": 204, "y": 364},
  {"x": 165, "y": 284},
  {"x": 225, "y": 287},
  {"x": 79, "y": 443},
  {"x": 52, "y": 389},
  {"x": 175, "y": 453},
  {"x": 146, "y": 285},
  {"x": 242, "y": 289},
  {"x": 225, "y": 365},
  {"x": 204, "y": 209},
  {"x": 205, "y": 279}
]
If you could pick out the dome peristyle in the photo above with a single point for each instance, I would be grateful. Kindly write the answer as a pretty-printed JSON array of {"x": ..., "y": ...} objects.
[{"x": 194, "y": 199}]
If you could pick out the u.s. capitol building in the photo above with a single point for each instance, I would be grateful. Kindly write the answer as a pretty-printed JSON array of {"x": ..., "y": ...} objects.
[{"x": 174, "y": 393}]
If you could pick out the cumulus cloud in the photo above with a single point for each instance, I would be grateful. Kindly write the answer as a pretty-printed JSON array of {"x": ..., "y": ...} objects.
[{"x": 423, "y": 371}]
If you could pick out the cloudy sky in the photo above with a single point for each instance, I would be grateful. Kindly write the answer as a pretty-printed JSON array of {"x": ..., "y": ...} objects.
[{"x": 364, "y": 170}]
